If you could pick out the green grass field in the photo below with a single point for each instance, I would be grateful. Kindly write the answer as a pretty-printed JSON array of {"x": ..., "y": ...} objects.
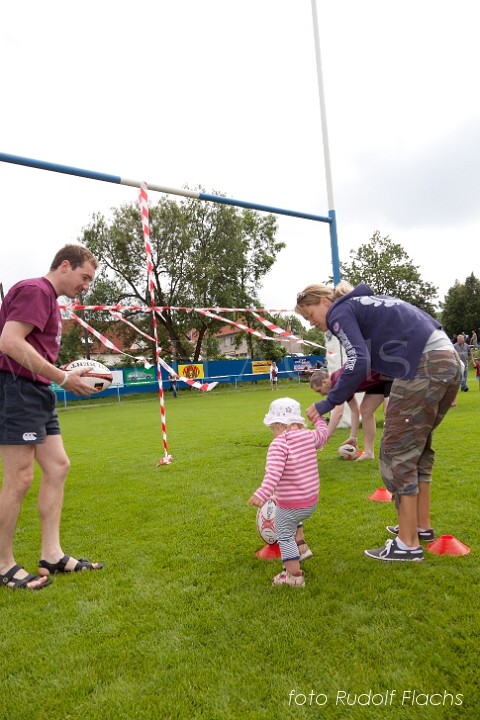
[{"x": 183, "y": 621}]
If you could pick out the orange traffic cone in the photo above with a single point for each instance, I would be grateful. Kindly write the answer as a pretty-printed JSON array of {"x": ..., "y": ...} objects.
[
  {"x": 448, "y": 545},
  {"x": 269, "y": 552},
  {"x": 381, "y": 495}
]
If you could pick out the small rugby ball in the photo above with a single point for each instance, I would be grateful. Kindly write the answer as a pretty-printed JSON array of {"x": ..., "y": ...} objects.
[
  {"x": 266, "y": 521},
  {"x": 99, "y": 377},
  {"x": 347, "y": 452}
]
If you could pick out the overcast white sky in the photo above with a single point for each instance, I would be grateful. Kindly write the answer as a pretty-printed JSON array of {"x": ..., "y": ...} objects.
[{"x": 223, "y": 94}]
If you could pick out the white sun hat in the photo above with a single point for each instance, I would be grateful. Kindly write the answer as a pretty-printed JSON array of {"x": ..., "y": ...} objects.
[{"x": 285, "y": 411}]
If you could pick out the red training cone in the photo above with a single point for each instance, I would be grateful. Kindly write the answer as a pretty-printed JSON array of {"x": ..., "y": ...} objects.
[
  {"x": 269, "y": 552},
  {"x": 448, "y": 545},
  {"x": 381, "y": 495}
]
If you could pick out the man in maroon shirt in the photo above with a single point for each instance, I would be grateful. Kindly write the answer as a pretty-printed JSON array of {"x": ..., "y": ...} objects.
[{"x": 30, "y": 334}]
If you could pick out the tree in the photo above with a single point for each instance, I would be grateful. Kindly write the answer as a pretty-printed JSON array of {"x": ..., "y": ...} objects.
[
  {"x": 316, "y": 336},
  {"x": 71, "y": 347},
  {"x": 270, "y": 349},
  {"x": 461, "y": 307},
  {"x": 386, "y": 267},
  {"x": 203, "y": 255}
]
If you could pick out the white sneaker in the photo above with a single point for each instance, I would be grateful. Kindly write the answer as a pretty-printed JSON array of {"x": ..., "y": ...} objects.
[{"x": 286, "y": 578}]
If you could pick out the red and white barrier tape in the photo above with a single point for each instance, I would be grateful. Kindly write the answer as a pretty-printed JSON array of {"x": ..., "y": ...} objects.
[
  {"x": 284, "y": 335},
  {"x": 204, "y": 387},
  {"x": 143, "y": 199}
]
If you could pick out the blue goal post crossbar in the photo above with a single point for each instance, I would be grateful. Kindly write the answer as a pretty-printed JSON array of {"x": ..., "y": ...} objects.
[{"x": 117, "y": 180}]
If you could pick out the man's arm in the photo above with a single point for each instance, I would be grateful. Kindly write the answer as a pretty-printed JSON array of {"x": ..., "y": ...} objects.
[{"x": 13, "y": 342}]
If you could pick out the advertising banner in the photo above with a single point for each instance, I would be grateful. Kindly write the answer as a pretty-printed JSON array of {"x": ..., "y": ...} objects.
[
  {"x": 117, "y": 378},
  {"x": 260, "y": 366},
  {"x": 138, "y": 376},
  {"x": 194, "y": 371},
  {"x": 302, "y": 365}
]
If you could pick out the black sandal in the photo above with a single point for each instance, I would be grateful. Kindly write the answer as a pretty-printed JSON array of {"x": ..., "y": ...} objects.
[
  {"x": 60, "y": 566},
  {"x": 22, "y": 583}
]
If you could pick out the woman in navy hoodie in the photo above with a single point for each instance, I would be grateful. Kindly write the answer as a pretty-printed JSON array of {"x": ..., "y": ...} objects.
[{"x": 397, "y": 339}]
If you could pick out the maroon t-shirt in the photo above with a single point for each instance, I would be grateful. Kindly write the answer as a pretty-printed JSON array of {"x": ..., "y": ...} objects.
[
  {"x": 33, "y": 301},
  {"x": 374, "y": 378}
]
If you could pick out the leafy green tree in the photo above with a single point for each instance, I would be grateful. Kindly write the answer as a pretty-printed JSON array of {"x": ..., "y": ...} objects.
[
  {"x": 317, "y": 336},
  {"x": 297, "y": 327},
  {"x": 203, "y": 255},
  {"x": 386, "y": 267},
  {"x": 211, "y": 348},
  {"x": 461, "y": 307},
  {"x": 268, "y": 350},
  {"x": 71, "y": 347}
]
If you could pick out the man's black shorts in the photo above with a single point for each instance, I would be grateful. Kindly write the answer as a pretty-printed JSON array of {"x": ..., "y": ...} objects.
[
  {"x": 383, "y": 388},
  {"x": 27, "y": 411}
]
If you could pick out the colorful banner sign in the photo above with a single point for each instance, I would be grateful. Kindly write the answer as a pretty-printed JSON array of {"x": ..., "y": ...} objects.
[
  {"x": 140, "y": 375},
  {"x": 260, "y": 366},
  {"x": 192, "y": 371}
]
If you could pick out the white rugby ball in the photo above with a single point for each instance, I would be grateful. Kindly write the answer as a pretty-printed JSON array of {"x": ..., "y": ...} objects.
[
  {"x": 347, "y": 452},
  {"x": 99, "y": 377},
  {"x": 266, "y": 521}
]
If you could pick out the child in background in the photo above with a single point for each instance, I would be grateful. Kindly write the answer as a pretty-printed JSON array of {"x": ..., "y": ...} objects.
[
  {"x": 291, "y": 475},
  {"x": 273, "y": 376}
]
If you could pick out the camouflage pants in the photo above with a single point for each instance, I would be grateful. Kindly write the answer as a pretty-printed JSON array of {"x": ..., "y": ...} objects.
[{"x": 416, "y": 407}]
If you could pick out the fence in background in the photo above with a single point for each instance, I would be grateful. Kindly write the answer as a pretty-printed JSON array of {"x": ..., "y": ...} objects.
[{"x": 132, "y": 380}]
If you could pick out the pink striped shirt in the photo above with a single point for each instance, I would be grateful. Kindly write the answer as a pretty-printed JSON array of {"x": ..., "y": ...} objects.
[{"x": 291, "y": 472}]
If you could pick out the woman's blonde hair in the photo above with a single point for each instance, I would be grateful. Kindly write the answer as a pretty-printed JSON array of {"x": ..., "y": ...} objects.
[{"x": 313, "y": 294}]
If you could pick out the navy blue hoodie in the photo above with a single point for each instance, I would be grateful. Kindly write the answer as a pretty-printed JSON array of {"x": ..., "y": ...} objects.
[{"x": 379, "y": 333}]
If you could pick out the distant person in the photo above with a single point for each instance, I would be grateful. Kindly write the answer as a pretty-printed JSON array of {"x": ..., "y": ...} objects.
[
  {"x": 291, "y": 475},
  {"x": 30, "y": 333},
  {"x": 463, "y": 351},
  {"x": 473, "y": 340},
  {"x": 476, "y": 365},
  {"x": 394, "y": 338},
  {"x": 173, "y": 384},
  {"x": 273, "y": 376}
]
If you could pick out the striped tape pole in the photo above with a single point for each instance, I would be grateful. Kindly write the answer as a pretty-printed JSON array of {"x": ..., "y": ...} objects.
[{"x": 143, "y": 199}]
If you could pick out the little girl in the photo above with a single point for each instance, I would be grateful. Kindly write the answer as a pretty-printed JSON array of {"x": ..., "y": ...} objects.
[{"x": 291, "y": 475}]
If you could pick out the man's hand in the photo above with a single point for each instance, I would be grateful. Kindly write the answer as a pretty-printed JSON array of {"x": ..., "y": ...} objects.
[
  {"x": 312, "y": 414},
  {"x": 74, "y": 383}
]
